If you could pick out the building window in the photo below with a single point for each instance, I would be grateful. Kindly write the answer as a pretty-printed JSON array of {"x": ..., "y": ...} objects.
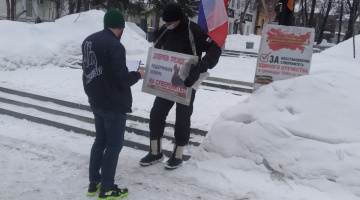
[
  {"x": 29, "y": 8},
  {"x": 232, "y": 3},
  {"x": 238, "y": 4}
]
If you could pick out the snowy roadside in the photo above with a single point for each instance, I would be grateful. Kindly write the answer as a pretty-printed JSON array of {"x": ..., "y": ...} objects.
[{"x": 42, "y": 162}]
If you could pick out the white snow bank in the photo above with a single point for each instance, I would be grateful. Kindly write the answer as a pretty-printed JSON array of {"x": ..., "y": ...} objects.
[
  {"x": 136, "y": 28},
  {"x": 237, "y": 42},
  {"x": 293, "y": 139},
  {"x": 59, "y": 42},
  {"x": 345, "y": 49}
]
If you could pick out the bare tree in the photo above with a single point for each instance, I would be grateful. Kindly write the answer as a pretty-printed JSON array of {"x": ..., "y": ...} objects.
[
  {"x": 58, "y": 5},
  {"x": 86, "y": 5},
  {"x": 12, "y": 12},
  {"x": 354, "y": 14},
  {"x": 72, "y": 6},
  {"x": 78, "y": 6},
  {"x": 340, "y": 21},
  {"x": 323, "y": 23},
  {"x": 7, "y": 9},
  {"x": 305, "y": 6},
  {"x": 304, "y": 13},
  {"x": 242, "y": 15},
  {"x": 312, "y": 12}
]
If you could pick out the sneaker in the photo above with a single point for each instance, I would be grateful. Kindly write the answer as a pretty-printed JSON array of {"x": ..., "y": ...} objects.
[
  {"x": 150, "y": 159},
  {"x": 173, "y": 163},
  {"x": 93, "y": 189},
  {"x": 115, "y": 193}
]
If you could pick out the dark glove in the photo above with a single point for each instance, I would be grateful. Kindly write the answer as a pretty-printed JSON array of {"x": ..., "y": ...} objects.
[
  {"x": 194, "y": 75},
  {"x": 204, "y": 66}
]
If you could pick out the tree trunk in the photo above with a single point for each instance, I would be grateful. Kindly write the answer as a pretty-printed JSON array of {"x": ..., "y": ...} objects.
[
  {"x": 12, "y": 12},
  {"x": 312, "y": 12},
  {"x": 72, "y": 5},
  {"x": 7, "y": 9},
  {"x": 86, "y": 5},
  {"x": 340, "y": 22},
  {"x": 352, "y": 19},
  {"x": 242, "y": 16},
  {"x": 306, "y": 15},
  {"x": 303, "y": 14},
  {"x": 78, "y": 6},
  {"x": 58, "y": 9},
  {"x": 324, "y": 23}
]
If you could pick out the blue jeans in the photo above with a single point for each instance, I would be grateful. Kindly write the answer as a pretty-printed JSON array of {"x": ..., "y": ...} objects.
[{"x": 109, "y": 140}]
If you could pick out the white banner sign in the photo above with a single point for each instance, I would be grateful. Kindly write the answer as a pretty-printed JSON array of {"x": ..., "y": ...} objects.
[
  {"x": 285, "y": 52},
  {"x": 162, "y": 78}
]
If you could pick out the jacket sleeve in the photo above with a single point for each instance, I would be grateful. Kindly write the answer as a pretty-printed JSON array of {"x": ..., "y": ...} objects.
[
  {"x": 121, "y": 74},
  {"x": 204, "y": 43}
]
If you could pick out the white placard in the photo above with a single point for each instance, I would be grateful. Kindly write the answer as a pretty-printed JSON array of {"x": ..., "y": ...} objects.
[
  {"x": 162, "y": 78},
  {"x": 285, "y": 52}
]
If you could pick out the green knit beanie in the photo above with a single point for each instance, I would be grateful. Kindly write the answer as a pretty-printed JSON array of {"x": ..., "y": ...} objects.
[{"x": 114, "y": 19}]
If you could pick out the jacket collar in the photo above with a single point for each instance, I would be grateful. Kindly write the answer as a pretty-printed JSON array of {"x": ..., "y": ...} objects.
[
  {"x": 109, "y": 32},
  {"x": 182, "y": 25}
]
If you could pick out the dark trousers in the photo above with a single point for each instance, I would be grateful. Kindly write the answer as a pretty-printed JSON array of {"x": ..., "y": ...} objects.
[
  {"x": 158, "y": 115},
  {"x": 109, "y": 140}
]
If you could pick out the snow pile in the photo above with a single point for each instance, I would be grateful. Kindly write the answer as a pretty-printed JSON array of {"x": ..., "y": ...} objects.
[
  {"x": 345, "y": 49},
  {"x": 237, "y": 42},
  {"x": 136, "y": 28},
  {"x": 59, "y": 42},
  {"x": 293, "y": 139}
]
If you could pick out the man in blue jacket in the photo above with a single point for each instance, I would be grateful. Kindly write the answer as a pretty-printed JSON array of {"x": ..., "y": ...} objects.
[{"x": 107, "y": 83}]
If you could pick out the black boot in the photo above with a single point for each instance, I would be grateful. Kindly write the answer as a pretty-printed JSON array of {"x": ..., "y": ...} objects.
[
  {"x": 155, "y": 155},
  {"x": 176, "y": 159}
]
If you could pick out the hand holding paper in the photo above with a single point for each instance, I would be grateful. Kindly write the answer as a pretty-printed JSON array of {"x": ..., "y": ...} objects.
[{"x": 193, "y": 76}]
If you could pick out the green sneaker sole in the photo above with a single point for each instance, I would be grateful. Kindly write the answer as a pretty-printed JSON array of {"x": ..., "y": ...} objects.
[
  {"x": 112, "y": 198},
  {"x": 91, "y": 194}
]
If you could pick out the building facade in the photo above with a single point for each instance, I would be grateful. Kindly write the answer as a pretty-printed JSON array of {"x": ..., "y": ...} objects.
[
  {"x": 31, "y": 10},
  {"x": 262, "y": 18},
  {"x": 235, "y": 9}
]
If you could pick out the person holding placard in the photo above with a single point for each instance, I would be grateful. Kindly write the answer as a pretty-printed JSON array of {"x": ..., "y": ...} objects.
[{"x": 182, "y": 36}]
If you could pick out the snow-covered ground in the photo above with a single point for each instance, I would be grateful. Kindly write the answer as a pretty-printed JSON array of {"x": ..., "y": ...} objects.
[{"x": 293, "y": 139}]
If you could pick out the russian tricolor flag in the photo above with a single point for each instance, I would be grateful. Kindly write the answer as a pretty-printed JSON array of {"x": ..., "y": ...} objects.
[{"x": 213, "y": 18}]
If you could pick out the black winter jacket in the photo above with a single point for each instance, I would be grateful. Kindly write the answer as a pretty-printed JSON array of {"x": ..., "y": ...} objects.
[
  {"x": 177, "y": 40},
  {"x": 106, "y": 78}
]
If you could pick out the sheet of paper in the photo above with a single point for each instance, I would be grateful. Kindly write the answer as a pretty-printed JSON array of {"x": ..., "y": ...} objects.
[
  {"x": 185, "y": 70},
  {"x": 132, "y": 65},
  {"x": 202, "y": 77}
]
